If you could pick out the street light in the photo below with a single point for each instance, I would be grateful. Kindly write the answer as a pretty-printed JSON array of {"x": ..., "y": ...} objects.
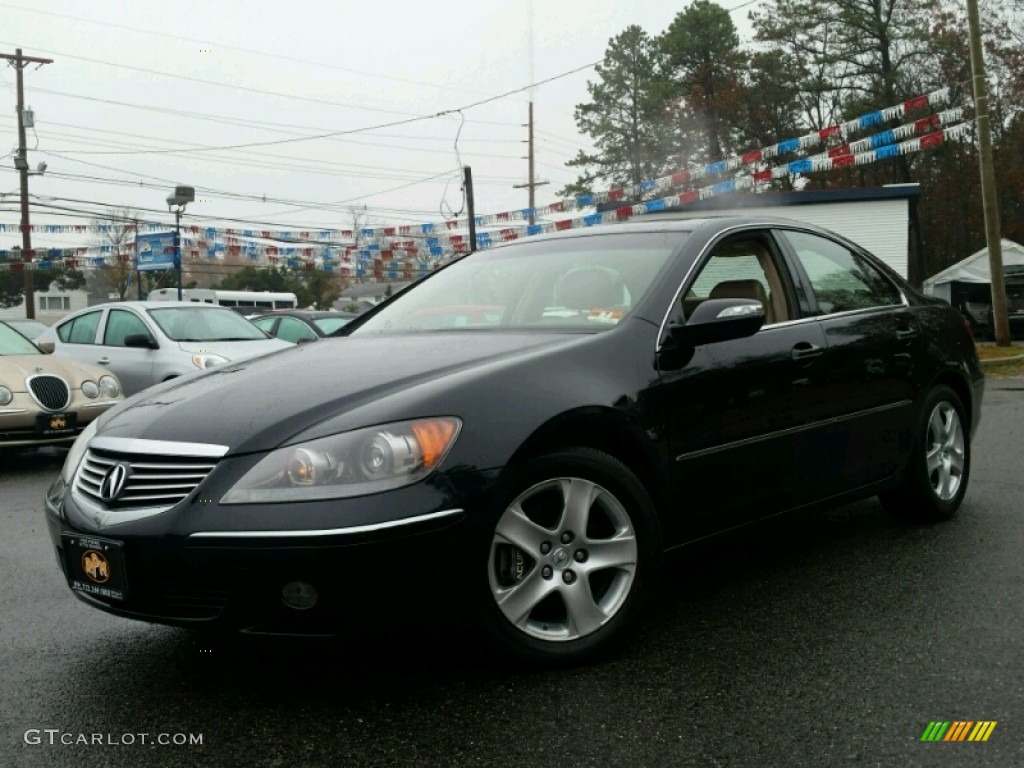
[{"x": 176, "y": 204}]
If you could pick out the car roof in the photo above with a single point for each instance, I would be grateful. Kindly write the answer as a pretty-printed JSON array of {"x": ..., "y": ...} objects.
[
  {"x": 310, "y": 314},
  {"x": 151, "y": 305},
  {"x": 671, "y": 221}
]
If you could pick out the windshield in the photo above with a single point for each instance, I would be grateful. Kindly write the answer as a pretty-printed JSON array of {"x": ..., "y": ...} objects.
[
  {"x": 205, "y": 324},
  {"x": 13, "y": 343},
  {"x": 584, "y": 283}
]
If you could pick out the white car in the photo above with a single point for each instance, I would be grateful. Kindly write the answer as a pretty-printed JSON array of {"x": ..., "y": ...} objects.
[{"x": 146, "y": 342}]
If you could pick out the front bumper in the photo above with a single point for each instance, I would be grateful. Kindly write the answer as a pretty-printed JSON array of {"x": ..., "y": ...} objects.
[
  {"x": 184, "y": 569},
  {"x": 18, "y": 419}
]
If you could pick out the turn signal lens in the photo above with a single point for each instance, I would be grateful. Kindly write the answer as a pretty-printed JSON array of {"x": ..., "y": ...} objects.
[{"x": 434, "y": 437}]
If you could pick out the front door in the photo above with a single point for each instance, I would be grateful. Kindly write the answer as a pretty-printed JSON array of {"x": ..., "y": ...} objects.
[
  {"x": 133, "y": 366},
  {"x": 739, "y": 408}
]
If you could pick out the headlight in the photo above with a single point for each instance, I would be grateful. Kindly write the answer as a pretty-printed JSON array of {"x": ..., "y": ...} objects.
[
  {"x": 90, "y": 390},
  {"x": 109, "y": 387},
  {"x": 5, "y": 395},
  {"x": 207, "y": 360},
  {"x": 76, "y": 453},
  {"x": 350, "y": 464}
]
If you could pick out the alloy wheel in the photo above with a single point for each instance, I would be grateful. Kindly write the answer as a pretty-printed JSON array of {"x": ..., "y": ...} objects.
[
  {"x": 945, "y": 458},
  {"x": 563, "y": 559}
]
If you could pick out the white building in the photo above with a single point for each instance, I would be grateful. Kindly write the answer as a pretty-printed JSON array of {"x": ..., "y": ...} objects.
[{"x": 50, "y": 305}]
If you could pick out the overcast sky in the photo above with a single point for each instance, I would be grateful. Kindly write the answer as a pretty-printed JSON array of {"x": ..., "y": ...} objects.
[{"x": 310, "y": 67}]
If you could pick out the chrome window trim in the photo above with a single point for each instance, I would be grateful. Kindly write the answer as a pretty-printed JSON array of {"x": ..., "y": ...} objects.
[
  {"x": 775, "y": 226},
  {"x": 350, "y": 530},
  {"x": 856, "y": 250},
  {"x": 137, "y": 445},
  {"x": 47, "y": 409},
  {"x": 693, "y": 266},
  {"x": 844, "y": 313}
]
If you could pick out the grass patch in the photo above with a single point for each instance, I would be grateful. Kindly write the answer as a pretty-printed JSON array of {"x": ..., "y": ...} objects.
[
  {"x": 1003, "y": 370},
  {"x": 992, "y": 352}
]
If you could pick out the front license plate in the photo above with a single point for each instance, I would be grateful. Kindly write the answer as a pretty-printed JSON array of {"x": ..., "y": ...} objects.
[
  {"x": 95, "y": 566},
  {"x": 50, "y": 424}
]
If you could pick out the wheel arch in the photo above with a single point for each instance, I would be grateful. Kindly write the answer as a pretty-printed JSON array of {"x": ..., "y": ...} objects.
[
  {"x": 603, "y": 429},
  {"x": 955, "y": 380}
]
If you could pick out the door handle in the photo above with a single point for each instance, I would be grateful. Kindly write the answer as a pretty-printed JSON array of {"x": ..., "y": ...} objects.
[
  {"x": 104, "y": 361},
  {"x": 805, "y": 351},
  {"x": 907, "y": 332}
]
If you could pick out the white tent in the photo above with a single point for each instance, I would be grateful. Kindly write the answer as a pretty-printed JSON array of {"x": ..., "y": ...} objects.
[{"x": 974, "y": 269}]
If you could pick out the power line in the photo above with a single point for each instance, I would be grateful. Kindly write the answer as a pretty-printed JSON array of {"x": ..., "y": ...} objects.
[
  {"x": 350, "y": 131},
  {"x": 242, "y": 88},
  {"x": 186, "y": 145},
  {"x": 241, "y": 49},
  {"x": 244, "y": 122}
]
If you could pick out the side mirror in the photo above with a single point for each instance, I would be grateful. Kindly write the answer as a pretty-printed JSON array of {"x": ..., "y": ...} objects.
[
  {"x": 140, "y": 340},
  {"x": 716, "y": 320},
  {"x": 46, "y": 347}
]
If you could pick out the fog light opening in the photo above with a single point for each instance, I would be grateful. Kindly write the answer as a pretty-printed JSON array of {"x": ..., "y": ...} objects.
[{"x": 299, "y": 595}]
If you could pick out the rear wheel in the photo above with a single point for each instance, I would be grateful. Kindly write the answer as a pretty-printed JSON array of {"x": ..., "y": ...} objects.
[
  {"x": 935, "y": 479},
  {"x": 571, "y": 552}
]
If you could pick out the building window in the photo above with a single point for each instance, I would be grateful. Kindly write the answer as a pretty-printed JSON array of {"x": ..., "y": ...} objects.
[{"x": 54, "y": 302}]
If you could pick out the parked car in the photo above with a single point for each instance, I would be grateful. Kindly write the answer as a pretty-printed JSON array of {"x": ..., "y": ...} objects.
[
  {"x": 530, "y": 471},
  {"x": 46, "y": 400},
  {"x": 30, "y": 329},
  {"x": 146, "y": 342},
  {"x": 301, "y": 325}
]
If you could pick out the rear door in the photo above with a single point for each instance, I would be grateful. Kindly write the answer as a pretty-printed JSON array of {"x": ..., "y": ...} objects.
[
  {"x": 77, "y": 337},
  {"x": 873, "y": 340}
]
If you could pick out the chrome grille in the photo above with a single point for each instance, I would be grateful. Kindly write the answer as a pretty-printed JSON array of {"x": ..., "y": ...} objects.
[
  {"x": 154, "y": 481},
  {"x": 49, "y": 391}
]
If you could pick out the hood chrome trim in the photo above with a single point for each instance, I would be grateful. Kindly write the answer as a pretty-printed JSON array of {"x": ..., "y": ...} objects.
[{"x": 134, "y": 445}]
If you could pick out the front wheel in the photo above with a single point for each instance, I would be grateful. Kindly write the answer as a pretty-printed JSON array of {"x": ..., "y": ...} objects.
[
  {"x": 935, "y": 479},
  {"x": 572, "y": 550}
]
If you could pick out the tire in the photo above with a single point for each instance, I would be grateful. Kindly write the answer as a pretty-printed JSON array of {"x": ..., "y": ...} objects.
[
  {"x": 564, "y": 583},
  {"x": 935, "y": 479}
]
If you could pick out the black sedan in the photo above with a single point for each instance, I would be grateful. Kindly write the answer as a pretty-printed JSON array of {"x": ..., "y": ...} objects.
[
  {"x": 300, "y": 326},
  {"x": 629, "y": 390}
]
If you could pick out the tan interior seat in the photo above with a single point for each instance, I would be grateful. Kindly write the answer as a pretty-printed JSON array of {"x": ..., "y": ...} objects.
[{"x": 744, "y": 289}]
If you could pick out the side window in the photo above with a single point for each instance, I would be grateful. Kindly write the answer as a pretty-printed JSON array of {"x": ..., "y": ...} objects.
[
  {"x": 294, "y": 331},
  {"x": 81, "y": 330},
  {"x": 264, "y": 323},
  {"x": 741, "y": 268},
  {"x": 120, "y": 324},
  {"x": 841, "y": 279}
]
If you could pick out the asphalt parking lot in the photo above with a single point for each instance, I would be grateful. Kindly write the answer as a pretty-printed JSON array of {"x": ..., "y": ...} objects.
[{"x": 830, "y": 640}]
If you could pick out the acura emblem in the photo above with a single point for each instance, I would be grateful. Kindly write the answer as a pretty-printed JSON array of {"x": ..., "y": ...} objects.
[{"x": 113, "y": 482}]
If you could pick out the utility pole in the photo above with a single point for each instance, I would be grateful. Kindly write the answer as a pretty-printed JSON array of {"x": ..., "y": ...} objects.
[
  {"x": 19, "y": 63},
  {"x": 467, "y": 181},
  {"x": 989, "y": 197},
  {"x": 532, "y": 184}
]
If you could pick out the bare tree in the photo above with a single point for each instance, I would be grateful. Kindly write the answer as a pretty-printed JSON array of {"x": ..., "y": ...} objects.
[{"x": 115, "y": 237}]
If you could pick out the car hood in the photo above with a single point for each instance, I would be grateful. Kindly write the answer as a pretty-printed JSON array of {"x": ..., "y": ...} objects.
[
  {"x": 259, "y": 404},
  {"x": 234, "y": 350},
  {"x": 14, "y": 369}
]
